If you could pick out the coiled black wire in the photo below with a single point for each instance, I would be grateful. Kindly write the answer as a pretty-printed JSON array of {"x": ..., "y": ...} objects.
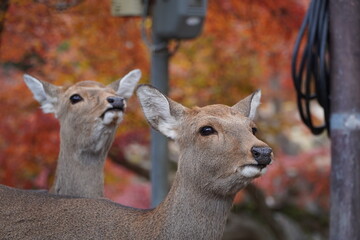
[{"x": 310, "y": 71}]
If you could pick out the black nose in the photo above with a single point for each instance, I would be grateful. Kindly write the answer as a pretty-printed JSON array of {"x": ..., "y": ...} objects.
[
  {"x": 116, "y": 102},
  {"x": 262, "y": 154}
]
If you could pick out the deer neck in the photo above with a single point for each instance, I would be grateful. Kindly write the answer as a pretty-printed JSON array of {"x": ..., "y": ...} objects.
[
  {"x": 80, "y": 164},
  {"x": 188, "y": 212}
]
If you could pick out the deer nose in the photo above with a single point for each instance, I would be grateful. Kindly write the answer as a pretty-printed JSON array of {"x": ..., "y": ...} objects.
[
  {"x": 116, "y": 102},
  {"x": 262, "y": 155}
]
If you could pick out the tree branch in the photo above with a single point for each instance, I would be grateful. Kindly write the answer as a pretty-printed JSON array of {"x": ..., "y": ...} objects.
[{"x": 142, "y": 172}]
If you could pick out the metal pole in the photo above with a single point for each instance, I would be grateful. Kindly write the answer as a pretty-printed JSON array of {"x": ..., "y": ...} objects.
[
  {"x": 159, "y": 143},
  {"x": 345, "y": 119}
]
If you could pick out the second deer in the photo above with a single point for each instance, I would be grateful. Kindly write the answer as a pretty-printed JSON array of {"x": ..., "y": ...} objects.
[
  {"x": 219, "y": 155},
  {"x": 89, "y": 114}
]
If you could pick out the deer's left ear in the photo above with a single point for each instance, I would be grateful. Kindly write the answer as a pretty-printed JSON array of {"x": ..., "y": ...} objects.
[
  {"x": 248, "y": 106},
  {"x": 125, "y": 86}
]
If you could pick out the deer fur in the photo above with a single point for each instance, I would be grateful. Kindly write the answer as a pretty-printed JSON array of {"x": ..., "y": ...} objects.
[
  {"x": 212, "y": 168},
  {"x": 87, "y": 129}
]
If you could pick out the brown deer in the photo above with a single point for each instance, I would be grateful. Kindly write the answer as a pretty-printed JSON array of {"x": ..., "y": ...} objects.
[
  {"x": 219, "y": 155},
  {"x": 89, "y": 114}
]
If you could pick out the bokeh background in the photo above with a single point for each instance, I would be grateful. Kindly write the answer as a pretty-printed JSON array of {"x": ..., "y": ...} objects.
[{"x": 245, "y": 45}]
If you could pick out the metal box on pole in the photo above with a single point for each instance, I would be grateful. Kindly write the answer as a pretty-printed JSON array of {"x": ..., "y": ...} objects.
[{"x": 174, "y": 19}]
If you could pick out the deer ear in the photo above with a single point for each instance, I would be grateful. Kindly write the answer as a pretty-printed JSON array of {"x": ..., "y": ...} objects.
[
  {"x": 45, "y": 93},
  {"x": 249, "y": 105},
  {"x": 163, "y": 114},
  {"x": 126, "y": 85}
]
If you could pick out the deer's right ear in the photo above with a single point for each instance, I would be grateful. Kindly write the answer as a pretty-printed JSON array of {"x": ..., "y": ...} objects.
[
  {"x": 45, "y": 93},
  {"x": 248, "y": 106},
  {"x": 162, "y": 113},
  {"x": 125, "y": 86}
]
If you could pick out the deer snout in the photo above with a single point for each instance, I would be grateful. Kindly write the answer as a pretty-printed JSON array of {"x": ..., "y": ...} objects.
[
  {"x": 116, "y": 102},
  {"x": 262, "y": 155}
]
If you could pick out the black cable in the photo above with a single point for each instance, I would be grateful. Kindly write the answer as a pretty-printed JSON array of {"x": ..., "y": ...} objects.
[{"x": 310, "y": 71}]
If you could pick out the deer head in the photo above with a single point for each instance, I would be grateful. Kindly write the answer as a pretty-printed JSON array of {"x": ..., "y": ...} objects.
[
  {"x": 86, "y": 104},
  {"x": 89, "y": 114},
  {"x": 219, "y": 150}
]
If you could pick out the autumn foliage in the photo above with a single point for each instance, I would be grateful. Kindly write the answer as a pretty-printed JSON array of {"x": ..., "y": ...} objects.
[{"x": 245, "y": 45}]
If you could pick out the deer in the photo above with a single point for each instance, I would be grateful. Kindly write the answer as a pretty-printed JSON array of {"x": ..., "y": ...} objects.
[
  {"x": 219, "y": 155},
  {"x": 89, "y": 114}
]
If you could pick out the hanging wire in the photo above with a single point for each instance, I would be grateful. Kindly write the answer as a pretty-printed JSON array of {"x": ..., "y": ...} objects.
[{"x": 310, "y": 68}]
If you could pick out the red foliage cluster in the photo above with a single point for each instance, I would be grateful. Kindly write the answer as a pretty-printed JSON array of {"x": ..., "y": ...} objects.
[{"x": 302, "y": 179}]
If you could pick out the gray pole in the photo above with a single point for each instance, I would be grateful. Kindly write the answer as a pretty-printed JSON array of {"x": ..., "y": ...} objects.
[
  {"x": 345, "y": 119},
  {"x": 159, "y": 143}
]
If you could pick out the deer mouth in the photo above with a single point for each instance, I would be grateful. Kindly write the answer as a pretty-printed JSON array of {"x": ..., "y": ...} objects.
[
  {"x": 113, "y": 115},
  {"x": 259, "y": 166},
  {"x": 112, "y": 109},
  {"x": 252, "y": 170}
]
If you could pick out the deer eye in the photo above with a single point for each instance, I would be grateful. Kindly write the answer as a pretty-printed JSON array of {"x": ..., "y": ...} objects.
[
  {"x": 207, "y": 130},
  {"x": 75, "y": 98},
  {"x": 254, "y": 130}
]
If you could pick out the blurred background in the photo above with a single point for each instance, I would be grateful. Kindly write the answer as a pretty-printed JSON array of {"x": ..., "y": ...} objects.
[{"x": 245, "y": 45}]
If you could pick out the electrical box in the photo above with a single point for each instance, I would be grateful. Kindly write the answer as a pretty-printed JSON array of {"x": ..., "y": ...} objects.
[
  {"x": 178, "y": 19},
  {"x": 124, "y": 8}
]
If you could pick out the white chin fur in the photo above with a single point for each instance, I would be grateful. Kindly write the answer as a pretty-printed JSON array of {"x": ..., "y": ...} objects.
[
  {"x": 252, "y": 171},
  {"x": 112, "y": 117}
]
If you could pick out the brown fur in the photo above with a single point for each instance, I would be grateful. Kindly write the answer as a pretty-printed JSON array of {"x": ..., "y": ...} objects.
[
  {"x": 85, "y": 138},
  {"x": 83, "y": 145},
  {"x": 209, "y": 174}
]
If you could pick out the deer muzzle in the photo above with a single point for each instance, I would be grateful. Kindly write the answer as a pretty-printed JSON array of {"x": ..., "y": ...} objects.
[{"x": 262, "y": 155}]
